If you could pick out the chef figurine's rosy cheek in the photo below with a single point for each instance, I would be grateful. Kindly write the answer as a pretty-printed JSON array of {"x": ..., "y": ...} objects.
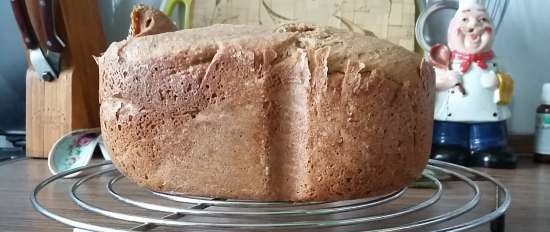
[{"x": 472, "y": 95}]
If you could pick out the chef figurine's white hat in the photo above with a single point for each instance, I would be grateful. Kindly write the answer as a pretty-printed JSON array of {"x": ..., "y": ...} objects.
[{"x": 470, "y": 4}]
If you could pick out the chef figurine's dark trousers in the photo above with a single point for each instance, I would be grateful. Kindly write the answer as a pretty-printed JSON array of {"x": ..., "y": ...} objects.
[{"x": 472, "y": 144}]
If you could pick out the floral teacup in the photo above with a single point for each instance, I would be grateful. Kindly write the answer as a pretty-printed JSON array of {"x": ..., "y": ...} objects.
[{"x": 73, "y": 150}]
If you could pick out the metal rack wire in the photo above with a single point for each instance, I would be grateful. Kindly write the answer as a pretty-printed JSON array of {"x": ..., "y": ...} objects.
[{"x": 223, "y": 214}]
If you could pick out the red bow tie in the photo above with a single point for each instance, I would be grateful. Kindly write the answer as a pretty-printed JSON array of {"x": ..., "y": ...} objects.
[{"x": 467, "y": 59}]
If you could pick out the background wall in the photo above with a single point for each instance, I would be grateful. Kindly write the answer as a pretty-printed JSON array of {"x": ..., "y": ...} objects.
[
  {"x": 12, "y": 72},
  {"x": 522, "y": 46}
]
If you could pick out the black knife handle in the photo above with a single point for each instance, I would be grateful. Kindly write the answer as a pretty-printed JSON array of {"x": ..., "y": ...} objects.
[
  {"x": 25, "y": 27},
  {"x": 47, "y": 17}
]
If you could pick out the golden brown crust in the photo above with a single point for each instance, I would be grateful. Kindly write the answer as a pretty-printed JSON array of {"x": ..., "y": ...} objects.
[
  {"x": 293, "y": 113},
  {"x": 149, "y": 21}
]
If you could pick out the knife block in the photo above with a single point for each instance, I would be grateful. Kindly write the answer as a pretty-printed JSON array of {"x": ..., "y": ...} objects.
[{"x": 71, "y": 101}]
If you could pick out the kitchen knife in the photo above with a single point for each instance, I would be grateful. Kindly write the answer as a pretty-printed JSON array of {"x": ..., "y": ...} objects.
[
  {"x": 54, "y": 45},
  {"x": 37, "y": 58}
]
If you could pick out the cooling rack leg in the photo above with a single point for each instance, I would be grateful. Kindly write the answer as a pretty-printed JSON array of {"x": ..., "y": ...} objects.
[{"x": 498, "y": 224}]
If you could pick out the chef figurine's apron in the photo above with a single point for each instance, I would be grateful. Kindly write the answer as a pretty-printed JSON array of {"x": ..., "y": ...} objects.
[
  {"x": 472, "y": 95},
  {"x": 477, "y": 104}
]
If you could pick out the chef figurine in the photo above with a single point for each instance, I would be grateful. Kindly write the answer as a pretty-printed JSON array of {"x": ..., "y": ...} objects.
[{"x": 472, "y": 95}]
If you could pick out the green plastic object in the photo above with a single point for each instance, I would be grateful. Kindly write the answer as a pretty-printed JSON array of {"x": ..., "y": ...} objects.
[{"x": 185, "y": 19}]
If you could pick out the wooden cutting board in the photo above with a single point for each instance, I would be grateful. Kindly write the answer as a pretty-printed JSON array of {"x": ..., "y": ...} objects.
[
  {"x": 70, "y": 102},
  {"x": 389, "y": 19}
]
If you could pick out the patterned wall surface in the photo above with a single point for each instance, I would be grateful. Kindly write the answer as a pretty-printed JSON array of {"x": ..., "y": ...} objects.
[{"x": 389, "y": 19}]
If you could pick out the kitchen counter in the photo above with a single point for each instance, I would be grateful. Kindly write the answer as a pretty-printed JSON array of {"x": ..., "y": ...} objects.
[{"x": 529, "y": 184}]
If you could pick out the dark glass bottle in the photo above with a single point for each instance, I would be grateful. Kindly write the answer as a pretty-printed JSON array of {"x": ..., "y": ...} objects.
[{"x": 542, "y": 135}]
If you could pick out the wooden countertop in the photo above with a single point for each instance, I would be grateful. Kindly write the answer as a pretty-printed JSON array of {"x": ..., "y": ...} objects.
[{"x": 530, "y": 209}]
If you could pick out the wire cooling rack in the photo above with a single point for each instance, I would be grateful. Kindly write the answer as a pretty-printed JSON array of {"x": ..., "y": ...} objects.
[{"x": 403, "y": 210}]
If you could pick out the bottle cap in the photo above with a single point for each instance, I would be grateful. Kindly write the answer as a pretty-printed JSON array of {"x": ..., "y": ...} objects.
[{"x": 545, "y": 97}]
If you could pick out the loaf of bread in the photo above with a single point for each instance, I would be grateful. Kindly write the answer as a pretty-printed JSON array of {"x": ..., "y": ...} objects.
[{"x": 291, "y": 113}]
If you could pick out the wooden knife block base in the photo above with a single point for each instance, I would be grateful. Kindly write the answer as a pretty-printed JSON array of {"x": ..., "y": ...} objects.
[{"x": 53, "y": 110}]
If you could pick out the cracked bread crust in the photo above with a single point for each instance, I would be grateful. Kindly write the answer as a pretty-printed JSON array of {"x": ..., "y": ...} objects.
[{"x": 291, "y": 113}]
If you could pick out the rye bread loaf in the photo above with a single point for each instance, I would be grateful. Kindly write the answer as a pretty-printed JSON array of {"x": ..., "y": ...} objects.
[{"x": 289, "y": 113}]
